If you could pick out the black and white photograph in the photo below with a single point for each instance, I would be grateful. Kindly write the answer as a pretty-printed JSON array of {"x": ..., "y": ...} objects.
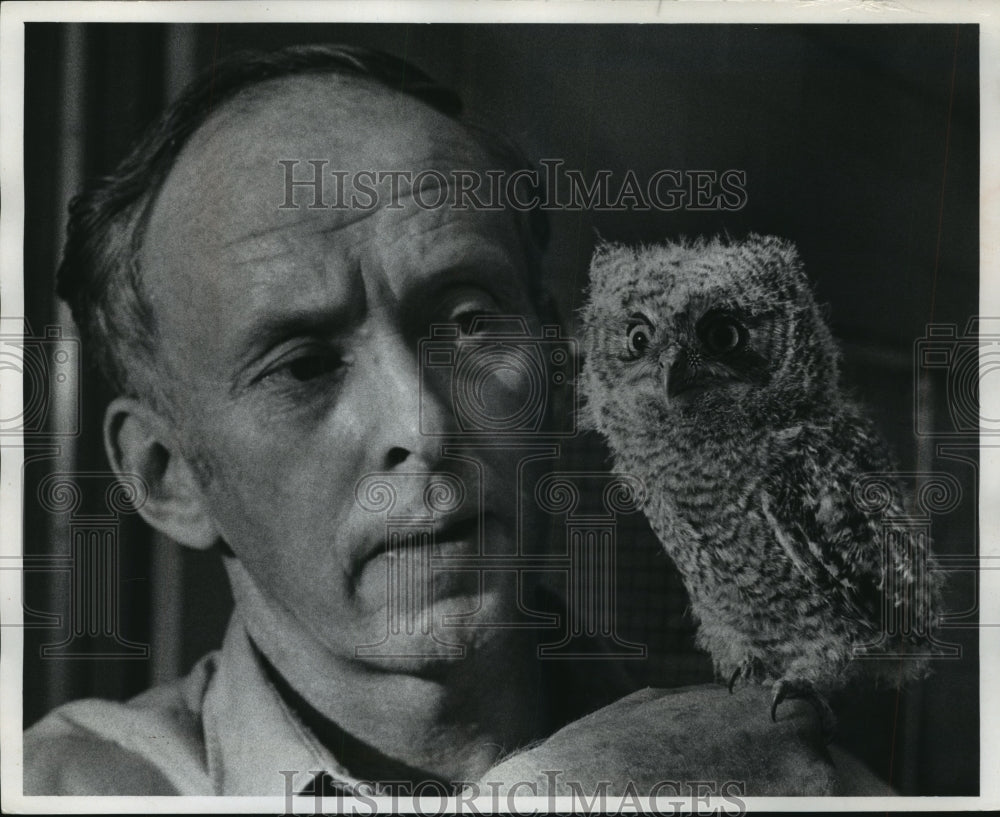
[{"x": 469, "y": 408}]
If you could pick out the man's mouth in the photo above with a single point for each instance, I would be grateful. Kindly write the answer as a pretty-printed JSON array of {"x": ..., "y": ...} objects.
[
  {"x": 458, "y": 531},
  {"x": 450, "y": 536}
]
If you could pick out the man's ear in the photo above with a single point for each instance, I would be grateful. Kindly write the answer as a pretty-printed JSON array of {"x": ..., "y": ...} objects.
[{"x": 139, "y": 441}]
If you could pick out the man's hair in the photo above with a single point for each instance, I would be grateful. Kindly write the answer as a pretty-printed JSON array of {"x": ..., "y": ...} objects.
[{"x": 99, "y": 276}]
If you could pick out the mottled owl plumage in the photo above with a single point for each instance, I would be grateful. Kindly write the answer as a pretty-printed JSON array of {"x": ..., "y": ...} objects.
[{"x": 711, "y": 373}]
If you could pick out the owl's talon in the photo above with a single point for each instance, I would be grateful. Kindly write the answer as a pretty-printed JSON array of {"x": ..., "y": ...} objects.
[
  {"x": 751, "y": 668},
  {"x": 780, "y": 693},
  {"x": 789, "y": 689}
]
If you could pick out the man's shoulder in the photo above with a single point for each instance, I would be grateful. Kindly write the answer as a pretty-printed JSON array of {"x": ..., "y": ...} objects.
[
  {"x": 76, "y": 762},
  {"x": 152, "y": 744}
]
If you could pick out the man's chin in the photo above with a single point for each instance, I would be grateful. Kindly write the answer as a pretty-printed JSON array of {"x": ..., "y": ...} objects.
[{"x": 454, "y": 626}]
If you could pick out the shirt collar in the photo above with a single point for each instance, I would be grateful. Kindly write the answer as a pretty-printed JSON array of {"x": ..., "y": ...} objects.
[{"x": 253, "y": 739}]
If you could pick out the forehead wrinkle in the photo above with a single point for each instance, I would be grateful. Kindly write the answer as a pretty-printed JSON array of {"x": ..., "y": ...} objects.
[
  {"x": 302, "y": 276},
  {"x": 449, "y": 244},
  {"x": 346, "y": 218},
  {"x": 413, "y": 230},
  {"x": 304, "y": 226}
]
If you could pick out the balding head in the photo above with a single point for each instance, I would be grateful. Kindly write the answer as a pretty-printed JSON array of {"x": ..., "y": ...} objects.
[{"x": 102, "y": 275}]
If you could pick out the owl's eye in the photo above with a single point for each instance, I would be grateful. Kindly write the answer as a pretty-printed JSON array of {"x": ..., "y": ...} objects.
[
  {"x": 639, "y": 334},
  {"x": 721, "y": 333}
]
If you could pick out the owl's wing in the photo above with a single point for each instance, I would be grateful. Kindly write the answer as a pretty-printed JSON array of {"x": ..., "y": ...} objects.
[{"x": 834, "y": 542}]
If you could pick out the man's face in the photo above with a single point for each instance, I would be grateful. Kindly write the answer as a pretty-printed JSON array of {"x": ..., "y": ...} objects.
[{"x": 290, "y": 336}]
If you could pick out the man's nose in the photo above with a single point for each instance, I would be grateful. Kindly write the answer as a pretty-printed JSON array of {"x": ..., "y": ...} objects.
[{"x": 411, "y": 420}]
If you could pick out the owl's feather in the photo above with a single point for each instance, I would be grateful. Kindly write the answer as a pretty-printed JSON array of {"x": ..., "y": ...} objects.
[{"x": 713, "y": 376}]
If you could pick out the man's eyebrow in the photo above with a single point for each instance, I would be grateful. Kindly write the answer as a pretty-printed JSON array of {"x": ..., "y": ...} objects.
[
  {"x": 262, "y": 333},
  {"x": 495, "y": 274}
]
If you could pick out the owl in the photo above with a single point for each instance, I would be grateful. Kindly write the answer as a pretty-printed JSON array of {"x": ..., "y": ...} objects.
[{"x": 712, "y": 375}]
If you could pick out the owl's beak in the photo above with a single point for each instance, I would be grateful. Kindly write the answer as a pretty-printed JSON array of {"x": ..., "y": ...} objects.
[
  {"x": 680, "y": 371},
  {"x": 666, "y": 363}
]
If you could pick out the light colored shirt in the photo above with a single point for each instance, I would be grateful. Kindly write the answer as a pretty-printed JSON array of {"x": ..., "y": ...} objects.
[{"x": 222, "y": 730}]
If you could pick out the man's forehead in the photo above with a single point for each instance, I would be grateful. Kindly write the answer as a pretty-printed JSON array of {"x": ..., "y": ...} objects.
[
  {"x": 231, "y": 178},
  {"x": 350, "y": 121}
]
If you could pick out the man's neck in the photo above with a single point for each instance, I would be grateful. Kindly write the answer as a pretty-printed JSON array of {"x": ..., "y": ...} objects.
[
  {"x": 437, "y": 717},
  {"x": 365, "y": 761},
  {"x": 448, "y": 726}
]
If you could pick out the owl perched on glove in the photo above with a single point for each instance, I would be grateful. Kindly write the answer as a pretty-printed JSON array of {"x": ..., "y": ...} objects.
[{"x": 711, "y": 373}]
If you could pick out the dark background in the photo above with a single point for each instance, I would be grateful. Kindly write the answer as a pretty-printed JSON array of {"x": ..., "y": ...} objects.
[{"x": 860, "y": 143}]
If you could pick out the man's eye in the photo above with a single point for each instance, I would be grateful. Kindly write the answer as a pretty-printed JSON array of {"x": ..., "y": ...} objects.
[
  {"x": 306, "y": 367},
  {"x": 474, "y": 321},
  {"x": 310, "y": 367},
  {"x": 470, "y": 306}
]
